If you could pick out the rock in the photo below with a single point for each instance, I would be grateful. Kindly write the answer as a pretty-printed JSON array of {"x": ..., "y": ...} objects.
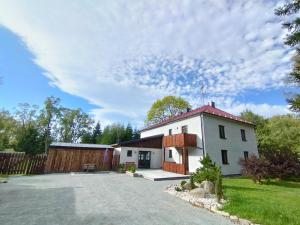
[
  {"x": 197, "y": 193},
  {"x": 208, "y": 187},
  {"x": 202, "y": 184},
  {"x": 186, "y": 186},
  {"x": 244, "y": 222},
  {"x": 3, "y": 181},
  {"x": 234, "y": 219}
]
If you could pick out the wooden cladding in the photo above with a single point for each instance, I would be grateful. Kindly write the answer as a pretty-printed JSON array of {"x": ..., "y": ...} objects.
[
  {"x": 67, "y": 160},
  {"x": 180, "y": 140},
  {"x": 19, "y": 163},
  {"x": 174, "y": 167}
]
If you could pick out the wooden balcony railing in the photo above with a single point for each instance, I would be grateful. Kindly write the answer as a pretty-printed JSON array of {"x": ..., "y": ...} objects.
[
  {"x": 180, "y": 140},
  {"x": 174, "y": 167}
]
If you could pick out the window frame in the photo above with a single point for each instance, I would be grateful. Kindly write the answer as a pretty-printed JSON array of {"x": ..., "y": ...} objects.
[
  {"x": 243, "y": 135},
  {"x": 129, "y": 155},
  {"x": 184, "y": 128},
  {"x": 222, "y": 132},
  {"x": 170, "y": 155},
  {"x": 224, "y": 156},
  {"x": 170, "y": 131}
]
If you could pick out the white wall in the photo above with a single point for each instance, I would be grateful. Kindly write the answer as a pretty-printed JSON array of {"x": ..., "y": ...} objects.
[
  {"x": 156, "y": 156},
  {"x": 233, "y": 143},
  {"x": 193, "y": 123}
]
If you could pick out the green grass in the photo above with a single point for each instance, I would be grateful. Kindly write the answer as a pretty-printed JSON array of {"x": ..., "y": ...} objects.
[{"x": 275, "y": 204}]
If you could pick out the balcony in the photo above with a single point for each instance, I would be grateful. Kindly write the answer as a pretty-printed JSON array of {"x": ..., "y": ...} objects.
[
  {"x": 174, "y": 167},
  {"x": 180, "y": 140}
]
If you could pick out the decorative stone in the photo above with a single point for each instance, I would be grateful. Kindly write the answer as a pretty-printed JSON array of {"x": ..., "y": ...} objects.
[
  {"x": 208, "y": 187},
  {"x": 244, "y": 222},
  {"x": 186, "y": 186},
  {"x": 197, "y": 193},
  {"x": 234, "y": 219}
]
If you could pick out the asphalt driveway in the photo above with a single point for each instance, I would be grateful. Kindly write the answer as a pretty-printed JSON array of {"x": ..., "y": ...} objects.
[{"x": 92, "y": 199}]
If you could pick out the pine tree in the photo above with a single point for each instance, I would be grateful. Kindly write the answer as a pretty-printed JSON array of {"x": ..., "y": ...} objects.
[
  {"x": 97, "y": 133},
  {"x": 128, "y": 132},
  {"x": 293, "y": 40},
  {"x": 136, "y": 134}
]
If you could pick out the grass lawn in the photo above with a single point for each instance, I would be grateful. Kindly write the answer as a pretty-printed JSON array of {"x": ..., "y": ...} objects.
[{"x": 275, "y": 204}]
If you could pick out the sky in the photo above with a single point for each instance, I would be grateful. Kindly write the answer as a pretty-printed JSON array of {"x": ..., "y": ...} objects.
[{"x": 113, "y": 59}]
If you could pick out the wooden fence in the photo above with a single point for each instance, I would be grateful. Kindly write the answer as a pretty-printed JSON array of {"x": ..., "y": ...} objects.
[
  {"x": 19, "y": 163},
  {"x": 174, "y": 167}
]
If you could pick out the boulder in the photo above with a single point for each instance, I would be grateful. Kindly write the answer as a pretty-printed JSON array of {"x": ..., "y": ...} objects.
[
  {"x": 197, "y": 193},
  {"x": 208, "y": 187},
  {"x": 186, "y": 186}
]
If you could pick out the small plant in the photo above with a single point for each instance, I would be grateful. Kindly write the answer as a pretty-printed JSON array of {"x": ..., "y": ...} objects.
[
  {"x": 192, "y": 183},
  {"x": 182, "y": 183},
  {"x": 218, "y": 185},
  {"x": 178, "y": 189},
  {"x": 132, "y": 169},
  {"x": 121, "y": 168}
]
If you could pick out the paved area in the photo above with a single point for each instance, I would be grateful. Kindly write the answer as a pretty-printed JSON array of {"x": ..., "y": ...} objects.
[
  {"x": 94, "y": 199},
  {"x": 159, "y": 175}
]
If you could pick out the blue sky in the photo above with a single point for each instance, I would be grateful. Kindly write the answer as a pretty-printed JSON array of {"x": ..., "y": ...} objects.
[{"x": 114, "y": 59}]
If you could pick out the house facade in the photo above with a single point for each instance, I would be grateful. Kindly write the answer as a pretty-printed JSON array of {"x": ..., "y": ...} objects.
[{"x": 186, "y": 138}]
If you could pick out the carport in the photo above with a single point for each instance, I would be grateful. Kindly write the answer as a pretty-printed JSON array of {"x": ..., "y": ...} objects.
[{"x": 71, "y": 157}]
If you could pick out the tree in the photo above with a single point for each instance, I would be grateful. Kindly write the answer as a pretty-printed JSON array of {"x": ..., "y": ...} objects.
[
  {"x": 128, "y": 133},
  {"x": 97, "y": 134},
  {"x": 136, "y": 134},
  {"x": 291, "y": 9},
  {"x": 48, "y": 116},
  {"x": 281, "y": 132},
  {"x": 7, "y": 128},
  {"x": 165, "y": 108},
  {"x": 73, "y": 124}
]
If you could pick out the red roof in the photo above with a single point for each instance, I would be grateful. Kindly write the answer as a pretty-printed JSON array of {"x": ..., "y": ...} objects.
[{"x": 204, "y": 109}]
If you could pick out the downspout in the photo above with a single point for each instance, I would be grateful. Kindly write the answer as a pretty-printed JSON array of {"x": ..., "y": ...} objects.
[{"x": 202, "y": 134}]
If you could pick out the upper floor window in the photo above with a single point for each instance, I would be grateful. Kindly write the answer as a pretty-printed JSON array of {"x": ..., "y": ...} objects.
[
  {"x": 243, "y": 135},
  {"x": 184, "y": 129},
  {"x": 222, "y": 131},
  {"x": 224, "y": 157},
  {"x": 245, "y": 155},
  {"x": 170, "y": 153},
  {"x": 129, "y": 153},
  {"x": 170, "y": 131}
]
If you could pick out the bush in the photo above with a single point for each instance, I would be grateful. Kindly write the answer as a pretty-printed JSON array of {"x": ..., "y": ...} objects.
[
  {"x": 132, "y": 169},
  {"x": 206, "y": 172},
  {"x": 280, "y": 164},
  {"x": 218, "y": 185},
  {"x": 121, "y": 168},
  {"x": 178, "y": 189},
  {"x": 182, "y": 183}
]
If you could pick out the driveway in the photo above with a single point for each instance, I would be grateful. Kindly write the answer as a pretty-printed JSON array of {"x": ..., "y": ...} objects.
[{"x": 92, "y": 199}]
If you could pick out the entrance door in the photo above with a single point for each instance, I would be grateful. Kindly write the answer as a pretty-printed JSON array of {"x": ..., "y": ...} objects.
[{"x": 144, "y": 159}]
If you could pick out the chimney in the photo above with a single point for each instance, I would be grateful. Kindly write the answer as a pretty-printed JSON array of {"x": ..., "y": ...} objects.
[
  {"x": 213, "y": 104},
  {"x": 188, "y": 109}
]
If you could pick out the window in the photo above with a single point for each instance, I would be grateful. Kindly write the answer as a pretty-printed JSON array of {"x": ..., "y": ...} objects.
[
  {"x": 222, "y": 131},
  {"x": 170, "y": 131},
  {"x": 245, "y": 155},
  {"x": 129, "y": 153},
  {"x": 170, "y": 153},
  {"x": 184, "y": 129},
  {"x": 224, "y": 157},
  {"x": 243, "y": 135}
]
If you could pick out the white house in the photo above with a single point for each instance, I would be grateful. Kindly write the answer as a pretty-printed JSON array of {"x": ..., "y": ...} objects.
[{"x": 178, "y": 143}]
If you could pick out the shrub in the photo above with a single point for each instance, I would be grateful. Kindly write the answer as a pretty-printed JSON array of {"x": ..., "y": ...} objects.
[
  {"x": 218, "y": 185},
  {"x": 121, "y": 168},
  {"x": 255, "y": 168},
  {"x": 132, "y": 169},
  {"x": 182, "y": 183},
  {"x": 192, "y": 183},
  {"x": 178, "y": 189},
  {"x": 206, "y": 172},
  {"x": 280, "y": 164}
]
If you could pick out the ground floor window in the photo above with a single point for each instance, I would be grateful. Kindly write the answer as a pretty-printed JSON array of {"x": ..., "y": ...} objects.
[
  {"x": 129, "y": 153},
  {"x": 170, "y": 153},
  {"x": 245, "y": 155},
  {"x": 224, "y": 157}
]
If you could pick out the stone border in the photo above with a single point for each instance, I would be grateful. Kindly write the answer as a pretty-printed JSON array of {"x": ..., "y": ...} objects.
[{"x": 186, "y": 197}]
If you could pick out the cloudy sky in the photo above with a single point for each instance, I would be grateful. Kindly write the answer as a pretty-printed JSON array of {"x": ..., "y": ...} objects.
[{"x": 115, "y": 58}]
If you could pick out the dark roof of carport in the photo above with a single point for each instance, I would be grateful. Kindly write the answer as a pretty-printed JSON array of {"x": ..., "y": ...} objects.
[{"x": 79, "y": 145}]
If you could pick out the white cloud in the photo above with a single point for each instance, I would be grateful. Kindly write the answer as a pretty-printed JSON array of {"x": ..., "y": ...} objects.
[{"x": 122, "y": 55}]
